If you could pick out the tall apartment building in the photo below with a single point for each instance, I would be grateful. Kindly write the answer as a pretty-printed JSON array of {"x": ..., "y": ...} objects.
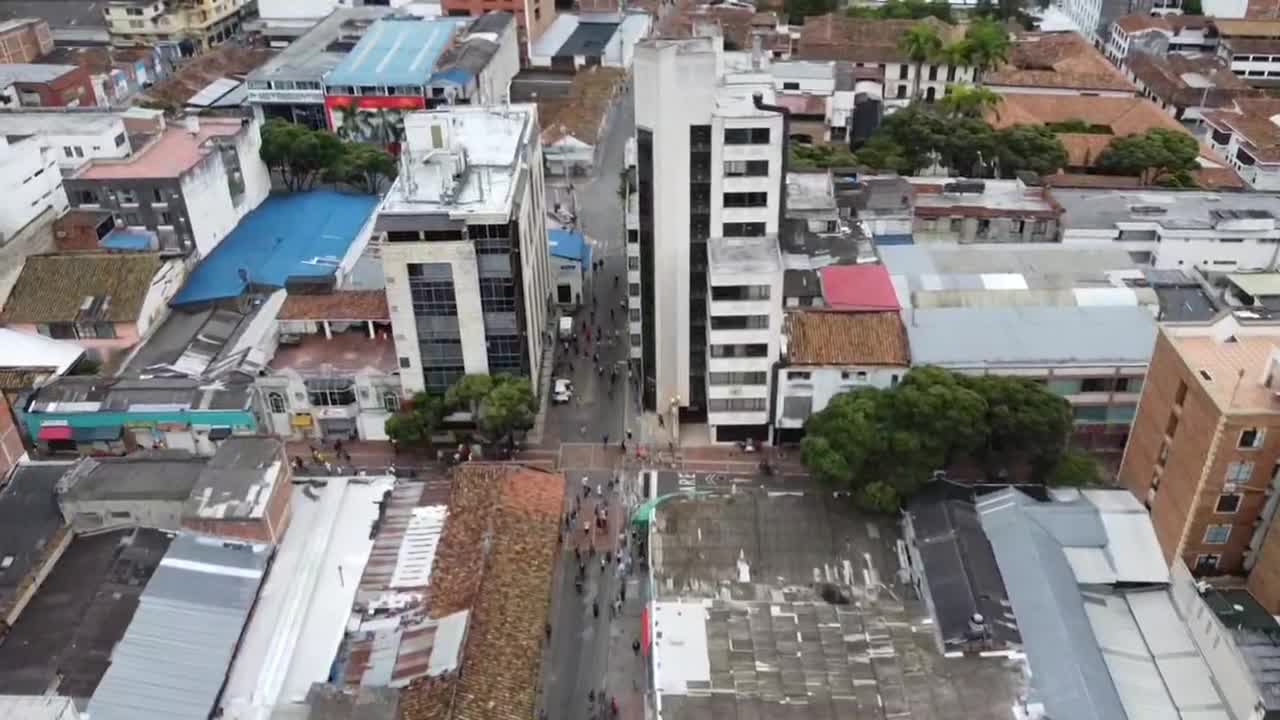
[
  {"x": 464, "y": 249},
  {"x": 710, "y": 164},
  {"x": 204, "y": 24},
  {"x": 1204, "y": 452}
]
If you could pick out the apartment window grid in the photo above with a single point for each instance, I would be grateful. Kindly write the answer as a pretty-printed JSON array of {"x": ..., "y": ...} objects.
[
  {"x": 1239, "y": 472},
  {"x": 497, "y": 295},
  {"x": 738, "y": 378},
  {"x": 746, "y": 199},
  {"x": 276, "y": 402},
  {"x": 431, "y": 288},
  {"x": 746, "y": 168},
  {"x": 331, "y": 392},
  {"x": 1251, "y": 438},
  {"x": 1228, "y": 503},
  {"x": 746, "y": 136},
  {"x": 505, "y": 354},
  {"x": 699, "y": 231},
  {"x": 740, "y": 322},
  {"x": 737, "y": 404}
]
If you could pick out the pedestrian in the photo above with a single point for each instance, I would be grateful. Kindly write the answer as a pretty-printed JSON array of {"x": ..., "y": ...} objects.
[
  {"x": 615, "y": 280},
  {"x": 628, "y": 433},
  {"x": 595, "y": 609},
  {"x": 547, "y": 631},
  {"x": 610, "y": 314},
  {"x": 603, "y": 564},
  {"x": 593, "y": 316},
  {"x": 608, "y": 555},
  {"x": 577, "y": 554},
  {"x": 595, "y": 357},
  {"x": 599, "y": 490},
  {"x": 635, "y": 646},
  {"x": 622, "y": 592},
  {"x": 586, "y": 488},
  {"x": 577, "y": 585},
  {"x": 660, "y": 423},
  {"x": 605, "y": 441},
  {"x": 337, "y": 447}
]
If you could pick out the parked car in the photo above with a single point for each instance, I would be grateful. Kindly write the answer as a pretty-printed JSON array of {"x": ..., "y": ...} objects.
[{"x": 562, "y": 392}]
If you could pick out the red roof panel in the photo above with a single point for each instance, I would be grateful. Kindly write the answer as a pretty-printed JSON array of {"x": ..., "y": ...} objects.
[{"x": 858, "y": 287}]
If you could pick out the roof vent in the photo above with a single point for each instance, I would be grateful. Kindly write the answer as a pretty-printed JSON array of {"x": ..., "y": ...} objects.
[{"x": 1148, "y": 210}]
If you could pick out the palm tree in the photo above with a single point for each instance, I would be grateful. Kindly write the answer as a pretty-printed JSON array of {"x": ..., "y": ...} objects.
[
  {"x": 920, "y": 43},
  {"x": 969, "y": 101},
  {"x": 988, "y": 45}
]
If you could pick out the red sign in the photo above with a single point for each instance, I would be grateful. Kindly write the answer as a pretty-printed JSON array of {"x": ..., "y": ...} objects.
[{"x": 376, "y": 119}]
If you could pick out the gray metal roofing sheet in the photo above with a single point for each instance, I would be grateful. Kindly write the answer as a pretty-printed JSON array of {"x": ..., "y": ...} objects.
[
  {"x": 1068, "y": 671},
  {"x": 173, "y": 659},
  {"x": 984, "y": 337}
]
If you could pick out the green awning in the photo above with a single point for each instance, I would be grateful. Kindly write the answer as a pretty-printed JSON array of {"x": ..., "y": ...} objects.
[{"x": 643, "y": 515}]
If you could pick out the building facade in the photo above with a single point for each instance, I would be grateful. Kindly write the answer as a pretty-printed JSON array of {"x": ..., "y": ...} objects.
[
  {"x": 31, "y": 183},
  {"x": 190, "y": 185},
  {"x": 710, "y": 167},
  {"x": 1205, "y": 443},
  {"x": 468, "y": 273},
  {"x": 24, "y": 40},
  {"x": 75, "y": 136},
  {"x": 42, "y": 85},
  {"x": 200, "y": 25},
  {"x": 1095, "y": 17}
]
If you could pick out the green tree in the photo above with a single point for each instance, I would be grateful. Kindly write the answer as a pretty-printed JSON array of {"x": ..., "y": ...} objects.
[
  {"x": 820, "y": 156},
  {"x": 468, "y": 392},
  {"x": 921, "y": 43},
  {"x": 797, "y": 10},
  {"x": 968, "y": 101},
  {"x": 301, "y": 155},
  {"x": 1024, "y": 419},
  {"x": 1075, "y": 468},
  {"x": 418, "y": 421},
  {"x": 882, "y": 154},
  {"x": 988, "y": 44},
  {"x": 365, "y": 166},
  {"x": 508, "y": 407},
  {"x": 1030, "y": 148},
  {"x": 1156, "y": 154}
]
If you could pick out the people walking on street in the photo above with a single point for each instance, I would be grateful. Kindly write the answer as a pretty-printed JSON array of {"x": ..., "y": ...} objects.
[
  {"x": 635, "y": 646},
  {"x": 595, "y": 609},
  {"x": 605, "y": 441}
]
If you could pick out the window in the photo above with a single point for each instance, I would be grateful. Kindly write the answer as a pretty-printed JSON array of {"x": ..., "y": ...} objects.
[
  {"x": 747, "y": 350},
  {"x": 1239, "y": 472},
  {"x": 276, "y": 401},
  {"x": 1251, "y": 438},
  {"x": 738, "y": 378},
  {"x": 745, "y": 229},
  {"x": 902, "y": 71},
  {"x": 740, "y": 292},
  {"x": 790, "y": 86},
  {"x": 390, "y": 401},
  {"x": 951, "y": 73},
  {"x": 331, "y": 392},
  {"x": 933, "y": 73},
  {"x": 1095, "y": 385},
  {"x": 166, "y": 218},
  {"x": 746, "y": 199},
  {"x": 633, "y": 289},
  {"x": 1181, "y": 395},
  {"x": 798, "y": 375},
  {"x": 1228, "y": 503},
  {"x": 1206, "y": 564},
  {"x": 902, "y": 91},
  {"x": 635, "y": 341},
  {"x": 66, "y": 150},
  {"x": 740, "y": 322},
  {"x": 157, "y": 195},
  {"x": 746, "y": 136},
  {"x": 431, "y": 287},
  {"x": 1217, "y": 534},
  {"x": 856, "y": 376},
  {"x": 633, "y": 263},
  {"x": 633, "y": 315},
  {"x": 505, "y": 354},
  {"x": 131, "y": 219},
  {"x": 497, "y": 295},
  {"x": 86, "y": 197},
  {"x": 737, "y": 405},
  {"x": 59, "y": 331},
  {"x": 128, "y": 197},
  {"x": 746, "y": 168}
]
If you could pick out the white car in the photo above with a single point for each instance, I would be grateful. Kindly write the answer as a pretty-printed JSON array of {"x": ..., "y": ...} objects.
[{"x": 562, "y": 391}]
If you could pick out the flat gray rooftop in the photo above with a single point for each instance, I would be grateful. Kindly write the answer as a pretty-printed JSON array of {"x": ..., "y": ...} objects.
[
  {"x": 743, "y": 254},
  {"x": 791, "y": 606},
  {"x": 1105, "y": 208},
  {"x": 147, "y": 475},
  {"x": 53, "y": 122}
]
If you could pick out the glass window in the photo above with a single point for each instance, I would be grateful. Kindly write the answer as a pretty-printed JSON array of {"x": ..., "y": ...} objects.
[
  {"x": 798, "y": 375},
  {"x": 743, "y": 229},
  {"x": 1228, "y": 503},
  {"x": 431, "y": 287},
  {"x": 633, "y": 289},
  {"x": 633, "y": 263},
  {"x": 1251, "y": 438},
  {"x": 739, "y": 322},
  {"x": 331, "y": 392},
  {"x": 740, "y": 292},
  {"x": 128, "y": 197},
  {"x": 746, "y": 199},
  {"x": 390, "y": 401},
  {"x": 746, "y": 168},
  {"x": 276, "y": 401},
  {"x": 746, "y": 136},
  {"x": 737, "y": 405},
  {"x": 497, "y": 294},
  {"x": 1217, "y": 534},
  {"x": 1239, "y": 472}
]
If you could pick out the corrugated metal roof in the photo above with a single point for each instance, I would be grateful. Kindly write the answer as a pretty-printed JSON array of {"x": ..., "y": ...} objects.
[
  {"x": 173, "y": 659},
  {"x": 1037, "y": 336}
]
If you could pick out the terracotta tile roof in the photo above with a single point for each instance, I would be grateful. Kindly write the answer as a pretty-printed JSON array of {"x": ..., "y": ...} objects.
[
  {"x": 580, "y": 113},
  {"x": 496, "y": 557},
  {"x": 738, "y": 25},
  {"x": 839, "y": 37},
  {"x": 341, "y": 305},
  {"x": 846, "y": 338},
  {"x": 1165, "y": 76},
  {"x": 1080, "y": 180},
  {"x": 1252, "y": 121},
  {"x": 1057, "y": 60},
  {"x": 54, "y": 288}
]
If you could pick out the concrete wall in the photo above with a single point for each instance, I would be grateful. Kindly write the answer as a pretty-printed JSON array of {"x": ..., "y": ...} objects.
[
  {"x": 92, "y": 515},
  {"x": 74, "y": 150},
  {"x": 253, "y": 172},
  {"x": 166, "y": 283},
  {"x": 825, "y": 382},
  {"x": 494, "y": 83},
  {"x": 535, "y": 258},
  {"x": 30, "y": 184},
  {"x": 207, "y": 196},
  {"x": 269, "y": 528},
  {"x": 998, "y": 230}
]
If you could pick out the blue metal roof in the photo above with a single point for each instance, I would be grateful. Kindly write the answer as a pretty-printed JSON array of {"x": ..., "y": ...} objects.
[
  {"x": 569, "y": 245},
  {"x": 126, "y": 239},
  {"x": 396, "y": 51},
  {"x": 297, "y": 235},
  {"x": 453, "y": 76}
]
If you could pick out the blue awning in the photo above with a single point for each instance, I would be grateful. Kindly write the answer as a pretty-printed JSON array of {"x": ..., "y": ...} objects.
[{"x": 96, "y": 434}]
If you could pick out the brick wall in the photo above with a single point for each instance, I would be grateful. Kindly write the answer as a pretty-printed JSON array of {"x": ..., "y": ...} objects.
[{"x": 26, "y": 43}]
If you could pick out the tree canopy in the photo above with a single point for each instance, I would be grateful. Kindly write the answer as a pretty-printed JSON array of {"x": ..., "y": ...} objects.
[
  {"x": 1159, "y": 155},
  {"x": 303, "y": 157},
  {"x": 915, "y": 137},
  {"x": 968, "y": 101},
  {"x": 797, "y": 10},
  {"x": 498, "y": 404},
  {"x": 903, "y": 10},
  {"x": 820, "y": 156},
  {"x": 882, "y": 445}
]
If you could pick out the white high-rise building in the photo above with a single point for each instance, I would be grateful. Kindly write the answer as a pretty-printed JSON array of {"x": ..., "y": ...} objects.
[
  {"x": 710, "y": 151},
  {"x": 465, "y": 246}
]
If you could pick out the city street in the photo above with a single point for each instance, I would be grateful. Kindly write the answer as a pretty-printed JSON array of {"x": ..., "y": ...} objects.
[{"x": 597, "y": 408}]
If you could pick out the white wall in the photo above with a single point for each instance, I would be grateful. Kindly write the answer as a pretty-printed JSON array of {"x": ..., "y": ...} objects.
[
  {"x": 208, "y": 199},
  {"x": 494, "y": 83},
  {"x": 256, "y": 176},
  {"x": 30, "y": 184},
  {"x": 91, "y": 145},
  {"x": 166, "y": 283},
  {"x": 825, "y": 382},
  {"x": 772, "y": 307},
  {"x": 535, "y": 257}
]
